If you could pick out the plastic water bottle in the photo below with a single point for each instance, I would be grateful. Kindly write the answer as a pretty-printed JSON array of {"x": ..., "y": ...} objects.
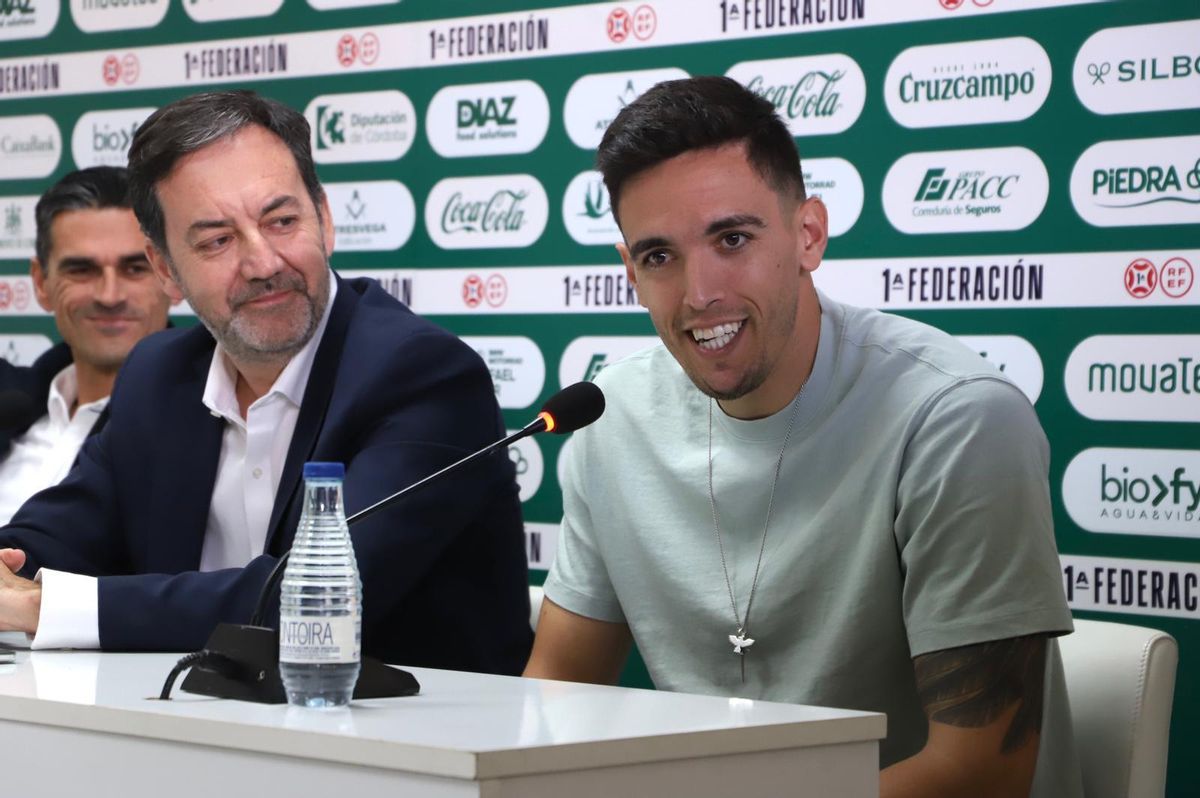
[{"x": 320, "y": 611}]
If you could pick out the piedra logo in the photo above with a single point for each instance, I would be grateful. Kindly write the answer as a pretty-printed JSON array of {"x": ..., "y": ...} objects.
[{"x": 1139, "y": 182}]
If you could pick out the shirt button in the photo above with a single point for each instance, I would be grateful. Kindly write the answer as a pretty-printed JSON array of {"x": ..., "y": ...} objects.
[{"x": 257, "y": 473}]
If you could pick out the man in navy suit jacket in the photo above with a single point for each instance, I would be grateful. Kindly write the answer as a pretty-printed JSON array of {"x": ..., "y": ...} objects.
[{"x": 163, "y": 501}]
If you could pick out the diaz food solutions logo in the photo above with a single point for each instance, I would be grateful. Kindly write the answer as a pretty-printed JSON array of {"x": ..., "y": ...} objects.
[
  {"x": 965, "y": 191},
  {"x": 1014, "y": 357},
  {"x": 1135, "y": 491},
  {"x": 840, "y": 187},
  {"x": 587, "y": 211},
  {"x": 214, "y": 10},
  {"x": 102, "y": 138},
  {"x": 968, "y": 83},
  {"x": 96, "y": 16},
  {"x": 1140, "y": 68},
  {"x": 485, "y": 212},
  {"x": 30, "y": 146},
  {"x": 17, "y": 227},
  {"x": 593, "y": 101},
  {"x": 373, "y": 215},
  {"x": 365, "y": 126},
  {"x": 27, "y": 19},
  {"x": 1136, "y": 377},
  {"x": 813, "y": 95},
  {"x": 517, "y": 367},
  {"x": 487, "y": 119},
  {"x": 1139, "y": 182}
]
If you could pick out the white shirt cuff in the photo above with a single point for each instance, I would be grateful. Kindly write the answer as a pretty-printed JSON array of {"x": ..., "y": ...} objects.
[{"x": 70, "y": 614}]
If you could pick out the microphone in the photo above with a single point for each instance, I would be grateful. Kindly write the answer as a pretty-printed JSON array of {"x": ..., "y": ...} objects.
[
  {"x": 15, "y": 408},
  {"x": 242, "y": 662}
]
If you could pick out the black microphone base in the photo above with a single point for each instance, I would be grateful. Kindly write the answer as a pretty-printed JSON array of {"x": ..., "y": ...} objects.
[{"x": 255, "y": 651}]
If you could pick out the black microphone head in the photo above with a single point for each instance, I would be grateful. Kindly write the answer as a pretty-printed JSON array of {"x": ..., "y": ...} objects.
[
  {"x": 573, "y": 407},
  {"x": 15, "y": 408}
]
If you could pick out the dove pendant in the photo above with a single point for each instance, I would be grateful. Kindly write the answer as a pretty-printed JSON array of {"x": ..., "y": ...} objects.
[{"x": 740, "y": 642}]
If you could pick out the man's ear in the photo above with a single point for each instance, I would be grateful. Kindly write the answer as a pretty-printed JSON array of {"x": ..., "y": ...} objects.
[
  {"x": 327, "y": 232},
  {"x": 162, "y": 270},
  {"x": 812, "y": 222},
  {"x": 39, "y": 284}
]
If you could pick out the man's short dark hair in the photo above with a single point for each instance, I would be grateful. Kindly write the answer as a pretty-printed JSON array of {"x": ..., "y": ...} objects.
[
  {"x": 677, "y": 116},
  {"x": 94, "y": 188},
  {"x": 193, "y": 123}
]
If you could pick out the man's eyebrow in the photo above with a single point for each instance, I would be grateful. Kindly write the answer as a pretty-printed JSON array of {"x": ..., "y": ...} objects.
[
  {"x": 647, "y": 243},
  {"x": 277, "y": 203},
  {"x": 736, "y": 220},
  {"x": 76, "y": 261},
  {"x": 133, "y": 257}
]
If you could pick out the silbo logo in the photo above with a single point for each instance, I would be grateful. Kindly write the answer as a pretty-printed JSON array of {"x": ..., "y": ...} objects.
[
  {"x": 813, "y": 95},
  {"x": 1140, "y": 68},
  {"x": 488, "y": 119},
  {"x": 102, "y": 138}
]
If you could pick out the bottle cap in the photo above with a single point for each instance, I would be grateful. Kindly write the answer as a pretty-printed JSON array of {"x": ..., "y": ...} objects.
[{"x": 324, "y": 471}]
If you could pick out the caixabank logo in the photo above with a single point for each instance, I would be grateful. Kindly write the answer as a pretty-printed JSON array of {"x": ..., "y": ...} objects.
[
  {"x": 968, "y": 83},
  {"x": 593, "y": 101},
  {"x": 502, "y": 118},
  {"x": 27, "y": 19},
  {"x": 814, "y": 95},
  {"x": 99, "y": 16},
  {"x": 102, "y": 138},
  {"x": 363, "y": 126},
  {"x": 1136, "y": 378},
  {"x": 1140, "y": 68},
  {"x": 965, "y": 191},
  {"x": 30, "y": 146},
  {"x": 587, "y": 211},
  {"x": 517, "y": 367},
  {"x": 216, "y": 10},
  {"x": 371, "y": 215},
  {"x": 1134, "y": 491},
  {"x": 1138, "y": 182},
  {"x": 501, "y": 211}
]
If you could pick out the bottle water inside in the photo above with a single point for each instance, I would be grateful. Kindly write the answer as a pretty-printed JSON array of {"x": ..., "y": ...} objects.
[{"x": 320, "y": 612}]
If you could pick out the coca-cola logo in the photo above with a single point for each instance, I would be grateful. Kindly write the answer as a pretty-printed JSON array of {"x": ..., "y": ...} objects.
[
  {"x": 501, "y": 212},
  {"x": 486, "y": 212},
  {"x": 814, "y": 95}
]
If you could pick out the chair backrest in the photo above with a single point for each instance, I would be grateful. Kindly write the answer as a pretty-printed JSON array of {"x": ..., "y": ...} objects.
[
  {"x": 1121, "y": 683},
  {"x": 535, "y": 605}
]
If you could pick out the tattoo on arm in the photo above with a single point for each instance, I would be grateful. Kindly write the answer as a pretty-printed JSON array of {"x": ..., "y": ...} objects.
[{"x": 971, "y": 686}]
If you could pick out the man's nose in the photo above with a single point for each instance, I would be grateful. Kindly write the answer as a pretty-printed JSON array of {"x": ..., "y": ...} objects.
[
  {"x": 704, "y": 282},
  {"x": 258, "y": 260},
  {"x": 112, "y": 288}
]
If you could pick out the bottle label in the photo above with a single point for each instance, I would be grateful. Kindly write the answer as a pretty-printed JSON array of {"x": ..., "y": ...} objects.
[{"x": 309, "y": 640}]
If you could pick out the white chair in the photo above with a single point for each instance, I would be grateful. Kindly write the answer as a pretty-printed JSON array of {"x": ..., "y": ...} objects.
[
  {"x": 535, "y": 605},
  {"x": 1121, "y": 682}
]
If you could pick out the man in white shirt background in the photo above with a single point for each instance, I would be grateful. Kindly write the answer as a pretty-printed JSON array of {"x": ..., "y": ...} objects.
[{"x": 91, "y": 272}]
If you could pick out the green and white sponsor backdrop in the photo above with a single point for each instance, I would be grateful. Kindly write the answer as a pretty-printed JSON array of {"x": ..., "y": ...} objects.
[{"x": 1022, "y": 173}]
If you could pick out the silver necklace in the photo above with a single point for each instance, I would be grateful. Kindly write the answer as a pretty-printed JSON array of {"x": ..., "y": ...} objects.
[{"x": 741, "y": 641}]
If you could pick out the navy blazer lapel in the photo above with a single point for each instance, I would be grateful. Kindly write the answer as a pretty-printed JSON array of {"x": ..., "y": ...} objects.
[{"x": 317, "y": 394}]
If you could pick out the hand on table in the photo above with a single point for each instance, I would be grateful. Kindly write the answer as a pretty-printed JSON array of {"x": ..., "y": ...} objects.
[{"x": 20, "y": 599}]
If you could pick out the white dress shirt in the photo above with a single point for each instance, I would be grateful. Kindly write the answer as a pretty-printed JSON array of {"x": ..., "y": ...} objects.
[
  {"x": 249, "y": 468},
  {"x": 44, "y": 454}
]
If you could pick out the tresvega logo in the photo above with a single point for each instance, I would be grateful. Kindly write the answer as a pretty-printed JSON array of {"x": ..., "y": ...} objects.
[
  {"x": 1136, "y": 377},
  {"x": 1140, "y": 68},
  {"x": 487, "y": 119},
  {"x": 813, "y": 95},
  {"x": 102, "y": 138},
  {"x": 371, "y": 215},
  {"x": 1134, "y": 491},
  {"x": 968, "y": 83},
  {"x": 517, "y": 367},
  {"x": 593, "y": 101},
  {"x": 1138, "y": 182}
]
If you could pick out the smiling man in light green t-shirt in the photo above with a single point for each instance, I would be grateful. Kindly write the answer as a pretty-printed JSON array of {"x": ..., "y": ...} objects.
[{"x": 796, "y": 500}]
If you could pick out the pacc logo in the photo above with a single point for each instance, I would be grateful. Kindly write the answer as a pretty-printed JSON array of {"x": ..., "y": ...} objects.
[
  {"x": 594, "y": 100},
  {"x": 102, "y": 138},
  {"x": 96, "y": 16},
  {"x": 487, "y": 119},
  {"x": 1139, "y": 182},
  {"x": 813, "y": 95},
  {"x": 371, "y": 216},
  {"x": 214, "y": 10},
  {"x": 840, "y": 187},
  {"x": 517, "y": 367},
  {"x": 585, "y": 357},
  {"x": 1135, "y": 491},
  {"x": 27, "y": 19},
  {"x": 1140, "y": 68},
  {"x": 1136, "y": 378},
  {"x": 30, "y": 146},
  {"x": 1014, "y": 357},
  {"x": 968, "y": 83},
  {"x": 587, "y": 211},
  {"x": 965, "y": 191},
  {"x": 486, "y": 212},
  {"x": 366, "y": 126},
  {"x": 17, "y": 227}
]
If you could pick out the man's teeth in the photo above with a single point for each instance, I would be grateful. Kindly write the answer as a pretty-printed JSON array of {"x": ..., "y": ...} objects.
[{"x": 716, "y": 337}]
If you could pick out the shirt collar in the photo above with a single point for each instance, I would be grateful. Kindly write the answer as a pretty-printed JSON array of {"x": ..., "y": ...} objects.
[
  {"x": 220, "y": 389},
  {"x": 64, "y": 393}
]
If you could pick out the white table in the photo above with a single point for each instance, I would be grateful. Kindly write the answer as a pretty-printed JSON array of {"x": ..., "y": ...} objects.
[{"x": 83, "y": 724}]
